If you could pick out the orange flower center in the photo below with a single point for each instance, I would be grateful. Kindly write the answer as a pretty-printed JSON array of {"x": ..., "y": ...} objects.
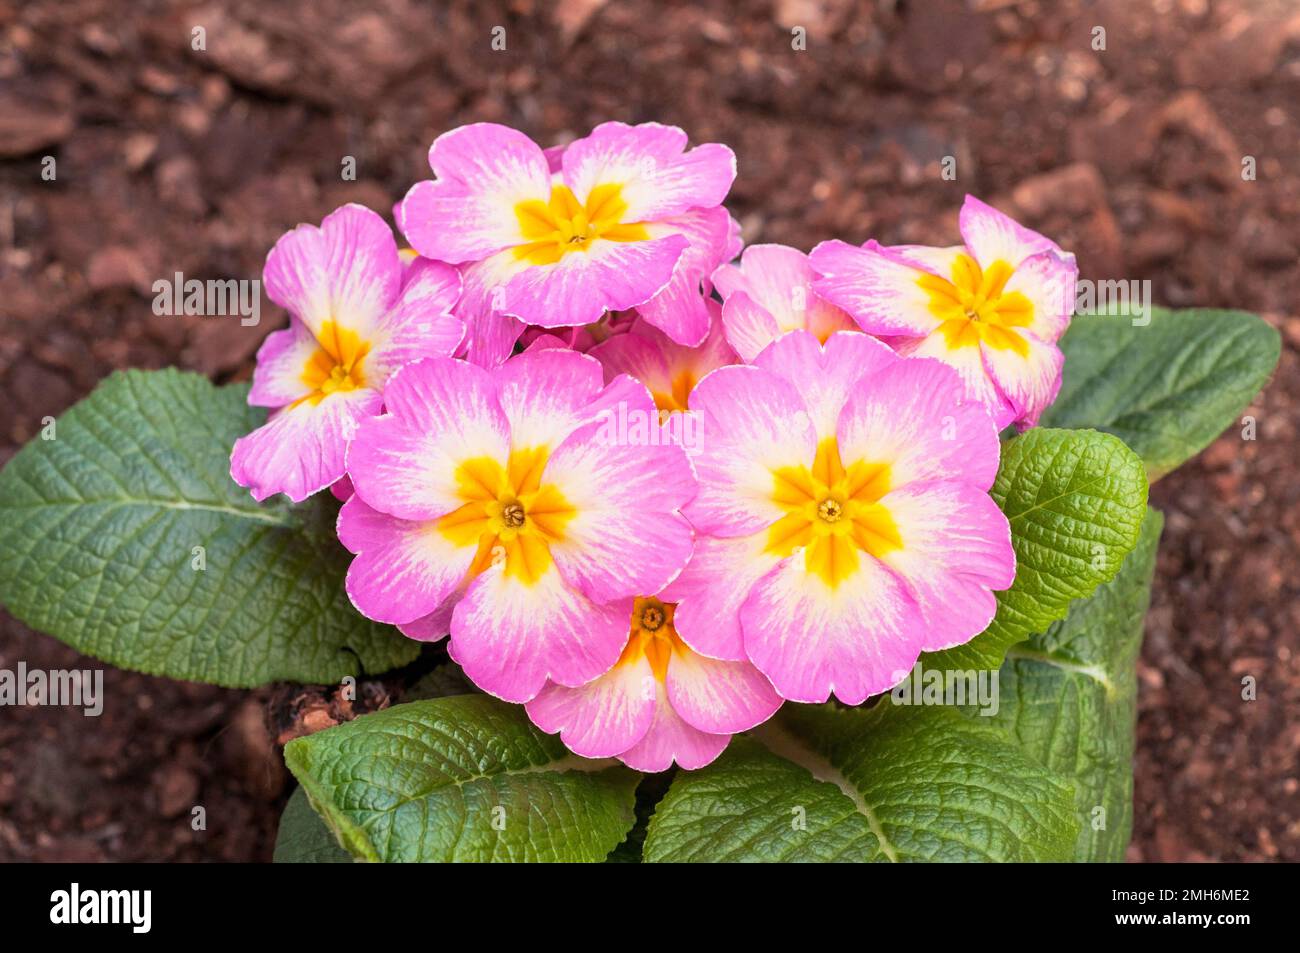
[
  {"x": 338, "y": 363},
  {"x": 653, "y": 636}
]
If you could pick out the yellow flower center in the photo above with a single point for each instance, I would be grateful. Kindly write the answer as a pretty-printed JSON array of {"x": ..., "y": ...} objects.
[
  {"x": 832, "y": 513},
  {"x": 975, "y": 307},
  {"x": 337, "y": 364},
  {"x": 830, "y": 510},
  {"x": 509, "y": 514},
  {"x": 554, "y": 229},
  {"x": 653, "y": 635}
]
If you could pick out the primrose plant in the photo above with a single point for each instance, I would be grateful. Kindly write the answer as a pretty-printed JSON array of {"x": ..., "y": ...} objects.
[{"x": 685, "y": 552}]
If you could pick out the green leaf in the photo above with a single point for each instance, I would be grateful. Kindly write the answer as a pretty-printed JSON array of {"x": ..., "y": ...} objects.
[
  {"x": 1075, "y": 500},
  {"x": 465, "y": 778},
  {"x": 1069, "y": 696},
  {"x": 447, "y": 679},
  {"x": 1168, "y": 388},
  {"x": 304, "y": 838},
  {"x": 100, "y": 528},
  {"x": 891, "y": 783}
]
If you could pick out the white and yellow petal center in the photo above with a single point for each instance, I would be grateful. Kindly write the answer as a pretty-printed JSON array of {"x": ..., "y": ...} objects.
[
  {"x": 564, "y": 225},
  {"x": 509, "y": 514},
  {"x": 974, "y": 306},
  {"x": 833, "y": 513},
  {"x": 337, "y": 364}
]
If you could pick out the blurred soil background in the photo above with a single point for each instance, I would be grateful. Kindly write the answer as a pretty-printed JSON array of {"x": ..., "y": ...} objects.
[{"x": 174, "y": 159}]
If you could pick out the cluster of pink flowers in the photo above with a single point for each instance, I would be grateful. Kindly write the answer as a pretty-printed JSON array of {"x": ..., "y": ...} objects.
[{"x": 650, "y": 515}]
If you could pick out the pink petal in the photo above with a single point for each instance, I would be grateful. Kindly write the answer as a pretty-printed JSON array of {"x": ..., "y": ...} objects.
[
  {"x": 749, "y": 326},
  {"x": 435, "y": 626},
  {"x": 712, "y": 588},
  {"x": 1029, "y": 384},
  {"x": 650, "y": 356},
  {"x": 420, "y": 324},
  {"x": 671, "y": 739},
  {"x": 281, "y": 360},
  {"x": 735, "y": 241},
  {"x": 603, "y": 718},
  {"x": 490, "y": 333},
  {"x": 771, "y": 292},
  {"x": 877, "y": 287},
  {"x": 301, "y": 449},
  {"x": 468, "y": 212},
  {"x": 968, "y": 362},
  {"x": 659, "y": 181},
  {"x": 915, "y": 418},
  {"x": 545, "y": 395},
  {"x": 826, "y": 375},
  {"x": 628, "y": 536},
  {"x": 342, "y": 488},
  {"x": 510, "y": 637},
  {"x": 536, "y": 339},
  {"x": 719, "y": 697},
  {"x": 346, "y": 271},
  {"x": 554, "y": 158},
  {"x": 752, "y": 422},
  {"x": 680, "y": 310},
  {"x": 441, "y": 412},
  {"x": 992, "y": 236},
  {"x": 937, "y": 261},
  {"x": 956, "y": 550},
  {"x": 1048, "y": 280},
  {"x": 403, "y": 570},
  {"x": 581, "y": 286},
  {"x": 645, "y": 357},
  {"x": 812, "y": 641}
]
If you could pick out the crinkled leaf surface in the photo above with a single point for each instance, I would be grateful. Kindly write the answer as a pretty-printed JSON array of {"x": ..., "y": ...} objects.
[
  {"x": 464, "y": 778},
  {"x": 1075, "y": 500},
  {"x": 1069, "y": 696},
  {"x": 1167, "y": 388},
  {"x": 99, "y": 529},
  {"x": 892, "y": 783}
]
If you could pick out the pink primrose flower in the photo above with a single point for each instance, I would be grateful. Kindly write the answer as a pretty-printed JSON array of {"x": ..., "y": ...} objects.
[
  {"x": 625, "y": 217},
  {"x": 496, "y": 504},
  {"x": 357, "y": 314},
  {"x": 993, "y": 308},
  {"x": 843, "y": 519}
]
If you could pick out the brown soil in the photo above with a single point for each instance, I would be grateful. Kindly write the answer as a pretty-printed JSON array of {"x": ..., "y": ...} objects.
[{"x": 171, "y": 159}]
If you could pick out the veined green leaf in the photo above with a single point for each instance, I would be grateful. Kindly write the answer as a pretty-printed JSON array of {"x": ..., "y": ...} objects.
[
  {"x": 464, "y": 778},
  {"x": 892, "y": 783},
  {"x": 1069, "y": 696},
  {"x": 1075, "y": 500},
  {"x": 1166, "y": 388},
  {"x": 125, "y": 537}
]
